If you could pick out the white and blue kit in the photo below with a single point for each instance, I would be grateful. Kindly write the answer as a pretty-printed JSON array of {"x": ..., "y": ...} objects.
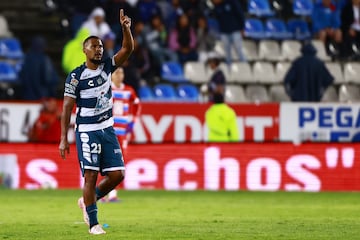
[{"x": 97, "y": 145}]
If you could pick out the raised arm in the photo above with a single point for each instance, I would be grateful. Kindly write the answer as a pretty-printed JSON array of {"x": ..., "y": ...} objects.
[
  {"x": 68, "y": 105},
  {"x": 128, "y": 42}
]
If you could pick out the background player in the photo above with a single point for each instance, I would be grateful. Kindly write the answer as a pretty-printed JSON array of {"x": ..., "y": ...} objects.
[
  {"x": 89, "y": 86},
  {"x": 126, "y": 111}
]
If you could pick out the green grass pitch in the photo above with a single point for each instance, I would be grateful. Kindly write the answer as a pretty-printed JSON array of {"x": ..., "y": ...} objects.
[{"x": 54, "y": 214}]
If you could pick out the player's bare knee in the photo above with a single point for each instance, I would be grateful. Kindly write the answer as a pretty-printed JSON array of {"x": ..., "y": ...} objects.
[{"x": 118, "y": 176}]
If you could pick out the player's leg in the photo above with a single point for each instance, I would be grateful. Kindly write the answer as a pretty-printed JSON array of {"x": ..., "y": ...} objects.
[
  {"x": 113, "y": 164},
  {"x": 89, "y": 154}
]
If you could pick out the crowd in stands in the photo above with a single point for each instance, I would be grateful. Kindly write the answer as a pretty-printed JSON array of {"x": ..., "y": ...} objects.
[{"x": 257, "y": 42}]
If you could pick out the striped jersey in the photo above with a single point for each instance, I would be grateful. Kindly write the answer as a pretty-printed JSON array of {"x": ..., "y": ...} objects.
[
  {"x": 92, "y": 91},
  {"x": 126, "y": 107}
]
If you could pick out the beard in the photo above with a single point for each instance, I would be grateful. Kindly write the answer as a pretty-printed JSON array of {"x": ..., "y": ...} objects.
[{"x": 95, "y": 61}]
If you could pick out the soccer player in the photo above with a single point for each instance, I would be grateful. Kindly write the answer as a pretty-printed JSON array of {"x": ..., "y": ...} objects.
[{"x": 89, "y": 86}]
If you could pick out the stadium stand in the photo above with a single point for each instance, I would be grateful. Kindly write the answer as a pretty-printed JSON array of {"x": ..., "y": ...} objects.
[
  {"x": 10, "y": 48},
  {"x": 172, "y": 72},
  {"x": 260, "y": 8},
  {"x": 330, "y": 95},
  {"x": 7, "y": 73},
  {"x": 187, "y": 93},
  {"x": 264, "y": 72},
  {"x": 281, "y": 68},
  {"x": 241, "y": 73},
  {"x": 269, "y": 50},
  {"x": 337, "y": 72},
  {"x": 4, "y": 28},
  {"x": 257, "y": 93},
  {"x": 303, "y": 7},
  {"x": 352, "y": 72},
  {"x": 254, "y": 29},
  {"x": 235, "y": 94},
  {"x": 146, "y": 93},
  {"x": 276, "y": 29},
  {"x": 349, "y": 93},
  {"x": 164, "y": 92},
  {"x": 290, "y": 49},
  {"x": 196, "y": 72},
  {"x": 299, "y": 29},
  {"x": 277, "y": 93}
]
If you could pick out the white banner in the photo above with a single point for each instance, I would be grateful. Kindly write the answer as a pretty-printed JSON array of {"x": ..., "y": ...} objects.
[
  {"x": 16, "y": 119},
  {"x": 319, "y": 122}
]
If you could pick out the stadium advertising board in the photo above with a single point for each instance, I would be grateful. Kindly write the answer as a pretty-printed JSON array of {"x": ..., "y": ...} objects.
[
  {"x": 159, "y": 123},
  {"x": 320, "y": 122},
  {"x": 233, "y": 167}
]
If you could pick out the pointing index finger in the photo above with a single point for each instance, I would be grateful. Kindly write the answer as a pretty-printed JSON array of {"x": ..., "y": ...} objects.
[{"x": 121, "y": 13}]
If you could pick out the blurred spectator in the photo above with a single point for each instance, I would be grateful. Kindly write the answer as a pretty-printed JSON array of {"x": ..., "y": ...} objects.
[
  {"x": 194, "y": 9},
  {"x": 77, "y": 11},
  {"x": 38, "y": 76},
  {"x": 217, "y": 81},
  {"x": 182, "y": 39},
  {"x": 96, "y": 23},
  {"x": 147, "y": 9},
  {"x": 326, "y": 22},
  {"x": 47, "y": 126},
  {"x": 73, "y": 55},
  {"x": 140, "y": 58},
  {"x": 173, "y": 14},
  {"x": 350, "y": 26},
  {"x": 221, "y": 121},
  {"x": 110, "y": 47},
  {"x": 157, "y": 43},
  {"x": 206, "y": 38},
  {"x": 308, "y": 77},
  {"x": 112, "y": 8},
  {"x": 231, "y": 21}
]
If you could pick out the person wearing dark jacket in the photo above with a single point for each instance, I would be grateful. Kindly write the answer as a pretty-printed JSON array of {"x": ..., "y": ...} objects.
[
  {"x": 231, "y": 20},
  {"x": 350, "y": 25},
  {"x": 308, "y": 77},
  {"x": 38, "y": 76}
]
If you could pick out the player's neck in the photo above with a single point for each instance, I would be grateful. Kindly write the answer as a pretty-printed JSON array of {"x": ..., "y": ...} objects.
[{"x": 91, "y": 65}]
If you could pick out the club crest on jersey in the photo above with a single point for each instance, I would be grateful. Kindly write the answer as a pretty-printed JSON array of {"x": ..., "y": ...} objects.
[
  {"x": 94, "y": 158},
  {"x": 74, "y": 82}
]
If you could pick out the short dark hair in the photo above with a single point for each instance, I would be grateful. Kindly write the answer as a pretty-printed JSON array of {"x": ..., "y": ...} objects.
[{"x": 89, "y": 38}]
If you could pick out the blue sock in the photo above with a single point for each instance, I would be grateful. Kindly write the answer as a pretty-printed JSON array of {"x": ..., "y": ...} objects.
[
  {"x": 92, "y": 213},
  {"x": 99, "y": 194}
]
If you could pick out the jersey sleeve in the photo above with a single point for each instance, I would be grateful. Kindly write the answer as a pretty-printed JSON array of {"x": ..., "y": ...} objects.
[{"x": 71, "y": 84}]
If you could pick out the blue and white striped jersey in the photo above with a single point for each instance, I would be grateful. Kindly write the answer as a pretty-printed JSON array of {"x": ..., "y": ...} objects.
[{"x": 92, "y": 91}]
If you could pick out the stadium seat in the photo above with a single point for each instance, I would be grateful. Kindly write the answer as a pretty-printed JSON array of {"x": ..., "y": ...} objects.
[
  {"x": 299, "y": 29},
  {"x": 302, "y": 7},
  {"x": 269, "y": 50},
  {"x": 264, "y": 72},
  {"x": 349, "y": 93},
  {"x": 250, "y": 50},
  {"x": 321, "y": 50},
  {"x": 352, "y": 72},
  {"x": 4, "y": 28},
  {"x": 187, "y": 93},
  {"x": 164, "y": 92},
  {"x": 235, "y": 94},
  {"x": 330, "y": 95},
  {"x": 276, "y": 29},
  {"x": 290, "y": 49},
  {"x": 257, "y": 93},
  {"x": 277, "y": 93},
  {"x": 146, "y": 93},
  {"x": 10, "y": 48},
  {"x": 196, "y": 72},
  {"x": 254, "y": 29},
  {"x": 281, "y": 69},
  {"x": 172, "y": 72},
  {"x": 260, "y": 8},
  {"x": 335, "y": 70},
  {"x": 7, "y": 73},
  {"x": 241, "y": 72}
]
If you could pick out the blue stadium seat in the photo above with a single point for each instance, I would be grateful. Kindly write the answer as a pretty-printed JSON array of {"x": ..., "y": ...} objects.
[
  {"x": 254, "y": 29},
  {"x": 276, "y": 29},
  {"x": 302, "y": 7},
  {"x": 299, "y": 28},
  {"x": 10, "y": 48},
  {"x": 146, "y": 94},
  {"x": 260, "y": 8},
  {"x": 164, "y": 92},
  {"x": 7, "y": 73},
  {"x": 188, "y": 92},
  {"x": 172, "y": 72}
]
